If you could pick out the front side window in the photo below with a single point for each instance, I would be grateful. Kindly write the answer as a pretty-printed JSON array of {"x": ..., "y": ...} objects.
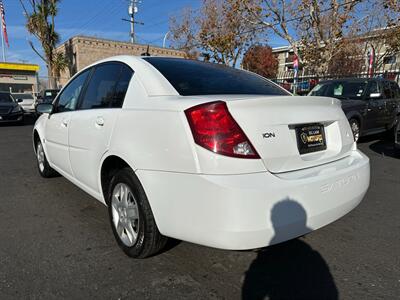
[
  {"x": 107, "y": 86},
  {"x": 69, "y": 97}
]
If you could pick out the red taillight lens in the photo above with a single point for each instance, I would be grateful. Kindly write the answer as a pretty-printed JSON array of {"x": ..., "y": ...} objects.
[{"x": 214, "y": 128}]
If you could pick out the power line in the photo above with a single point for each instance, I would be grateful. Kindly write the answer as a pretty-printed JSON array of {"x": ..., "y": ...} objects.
[{"x": 84, "y": 26}]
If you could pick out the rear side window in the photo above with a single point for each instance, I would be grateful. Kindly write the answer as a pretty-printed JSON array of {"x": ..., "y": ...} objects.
[
  {"x": 122, "y": 86},
  {"x": 107, "y": 86},
  {"x": 395, "y": 89},
  {"x": 190, "y": 77},
  {"x": 387, "y": 91}
]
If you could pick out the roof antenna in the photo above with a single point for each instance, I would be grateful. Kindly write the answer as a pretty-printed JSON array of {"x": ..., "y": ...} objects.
[{"x": 147, "y": 53}]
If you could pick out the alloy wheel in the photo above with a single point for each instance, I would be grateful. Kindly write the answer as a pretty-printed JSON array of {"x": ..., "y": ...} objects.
[
  {"x": 355, "y": 128},
  {"x": 125, "y": 214},
  {"x": 40, "y": 156}
]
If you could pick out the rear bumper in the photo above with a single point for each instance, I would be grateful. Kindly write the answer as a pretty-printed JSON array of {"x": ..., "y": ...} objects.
[
  {"x": 254, "y": 210},
  {"x": 29, "y": 109}
]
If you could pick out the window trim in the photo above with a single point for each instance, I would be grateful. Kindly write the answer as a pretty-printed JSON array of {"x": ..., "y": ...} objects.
[{"x": 80, "y": 100}]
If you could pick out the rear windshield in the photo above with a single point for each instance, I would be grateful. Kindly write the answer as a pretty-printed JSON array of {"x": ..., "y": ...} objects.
[
  {"x": 191, "y": 77},
  {"x": 5, "y": 98},
  {"x": 340, "y": 89}
]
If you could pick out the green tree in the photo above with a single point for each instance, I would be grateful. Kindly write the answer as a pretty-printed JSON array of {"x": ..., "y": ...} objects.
[{"x": 40, "y": 22}]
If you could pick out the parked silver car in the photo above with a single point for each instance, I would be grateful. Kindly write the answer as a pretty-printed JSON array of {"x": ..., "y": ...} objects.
[{"x": 26, "y": 101}]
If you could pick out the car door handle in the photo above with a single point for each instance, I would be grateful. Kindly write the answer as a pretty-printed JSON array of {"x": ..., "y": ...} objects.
[
  {"x": 64, "y": 122},
  {"x": 100, "y": 121}
]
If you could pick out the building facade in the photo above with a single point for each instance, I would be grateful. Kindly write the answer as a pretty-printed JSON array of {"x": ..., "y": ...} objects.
[
  {"x": 364, "y": 45},
  {"x": 82, "y": 51},
  {"x": 18, "y": 77}
]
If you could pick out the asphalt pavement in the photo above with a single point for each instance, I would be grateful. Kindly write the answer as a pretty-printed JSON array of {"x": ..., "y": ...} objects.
[{"x": 56, "y": 242}]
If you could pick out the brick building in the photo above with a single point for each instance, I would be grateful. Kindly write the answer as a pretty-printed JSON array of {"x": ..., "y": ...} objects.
[{"x": 82, "y": 51}]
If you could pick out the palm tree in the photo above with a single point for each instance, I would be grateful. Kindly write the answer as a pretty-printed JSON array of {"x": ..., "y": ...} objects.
[{"x": 40, "y": 23}]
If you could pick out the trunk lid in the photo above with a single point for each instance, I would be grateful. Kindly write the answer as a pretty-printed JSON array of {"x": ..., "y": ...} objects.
[{"x": 270, "y": 123}]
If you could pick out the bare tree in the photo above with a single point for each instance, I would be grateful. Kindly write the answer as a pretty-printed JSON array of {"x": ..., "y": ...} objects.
[
  {"x": 314, "y": 29},
  {"x": 184, "y": 32},
  {"x": 217, "y": 31}
]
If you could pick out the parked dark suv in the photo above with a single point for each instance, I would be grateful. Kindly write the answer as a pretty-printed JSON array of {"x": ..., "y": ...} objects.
[{"x": 371, "y": 105}]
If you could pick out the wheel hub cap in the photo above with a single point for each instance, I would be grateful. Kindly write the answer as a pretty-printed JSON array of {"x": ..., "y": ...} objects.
[
  {"x": 125, "y": 214},
  {"x": 40, "y": 156}
]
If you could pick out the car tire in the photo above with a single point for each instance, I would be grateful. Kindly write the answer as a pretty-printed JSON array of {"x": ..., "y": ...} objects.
[
  {"x": 43, "y": 165},
  {"x": 131, "y": 218},
  {"x": 355, "y": 128}
]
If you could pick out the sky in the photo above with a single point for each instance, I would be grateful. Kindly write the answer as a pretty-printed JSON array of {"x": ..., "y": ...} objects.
[{"x": 100, "y": 18}]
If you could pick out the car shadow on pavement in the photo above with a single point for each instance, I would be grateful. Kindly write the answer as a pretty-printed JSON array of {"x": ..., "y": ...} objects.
[
  {"x": 290, "y": 270},
  {"x": 385, "y": 148},
  {"x": 381, "y": 144}
]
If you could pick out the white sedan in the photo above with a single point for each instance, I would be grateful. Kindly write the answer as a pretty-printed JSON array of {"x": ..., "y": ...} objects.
[{"x": 200, "y": 152}]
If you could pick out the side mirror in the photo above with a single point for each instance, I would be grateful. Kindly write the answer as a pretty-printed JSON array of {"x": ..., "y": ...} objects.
[
  {"x": 44, "y": 108},
  {"x": 375, "y": 95},
  {"x": 20, "y": 100}
]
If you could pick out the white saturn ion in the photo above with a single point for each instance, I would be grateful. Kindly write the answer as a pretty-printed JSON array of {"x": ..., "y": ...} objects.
[{"x": 200, "y": 152}]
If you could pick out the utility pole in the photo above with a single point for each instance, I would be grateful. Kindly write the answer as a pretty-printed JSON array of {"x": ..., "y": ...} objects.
[{"x": 132, "y": 10}]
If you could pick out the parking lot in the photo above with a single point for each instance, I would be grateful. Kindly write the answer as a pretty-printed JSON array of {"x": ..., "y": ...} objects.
[{"x": 56, "y": 242}]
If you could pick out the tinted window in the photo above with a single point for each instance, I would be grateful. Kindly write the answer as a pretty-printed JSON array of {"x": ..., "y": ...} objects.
[
  {"x": 387, "y": 91},
  {"x": 319, "y": 90},
  {"x": 69, "y": 97},
  {"x": 5, "y": 98},
  {"x": 101, "y": 90},
  {"x": 373, "y": 87},
  {"x": 122, "y": 86},
  {"x": 23, "y": 96},
  {"x": 395, "y": 89},
  {"x": 190, "y": 77},
  {"x": 340, "y": 89}
]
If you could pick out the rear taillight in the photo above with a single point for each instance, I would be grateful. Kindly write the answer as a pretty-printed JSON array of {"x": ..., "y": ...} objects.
[{"x": 214, "y": 128}]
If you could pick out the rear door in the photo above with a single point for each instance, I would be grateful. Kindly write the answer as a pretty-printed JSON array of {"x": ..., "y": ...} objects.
[
  {"x": 92, "y": 124},
  {"x": 392, "y": 104},
  {"x": 375, "y": 116},
  {"x": 57, "y": 125}
]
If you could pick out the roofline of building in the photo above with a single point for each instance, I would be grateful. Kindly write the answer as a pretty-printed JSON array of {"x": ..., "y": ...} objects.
[
  {"x": 93, "y": 38},
  {"x": 19, "y": 66},
  {"x": 282, "y": 48}
]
